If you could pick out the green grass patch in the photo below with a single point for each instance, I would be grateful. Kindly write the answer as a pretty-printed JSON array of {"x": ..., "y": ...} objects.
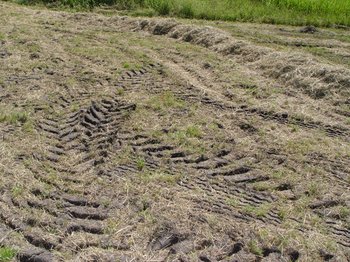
[
  {"x": 193, "y": 131},
  {"x": 188, "y": 138},
  {"x": 259, "y": 211},
  {"x": 294, "y": 12},
  {"x": 2, "y": 36},
  {"x": 17, "y": 191},
  {"x": 232, "y": 201},
  {"x": 255, "y": 248},
  {"x": 140, "y": 163},
  {"x": 164, "y": 177},
  {"x": 7, "y": 254},
  {"x": 165, "y": 101},
  {"x": 344, "y": 212},
  {"x": 262, "y": 186},
  {"x": 184, "y": 137},
  {"x": 13, "y": 117}
]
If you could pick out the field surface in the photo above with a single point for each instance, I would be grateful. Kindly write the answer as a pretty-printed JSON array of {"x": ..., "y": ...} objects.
[{"x": 147, "y": 139}]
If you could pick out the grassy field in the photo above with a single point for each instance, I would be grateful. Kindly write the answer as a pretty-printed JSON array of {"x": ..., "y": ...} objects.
[
  {"x": 148, "y": 139},
  {"x": 294, "y": 12}
]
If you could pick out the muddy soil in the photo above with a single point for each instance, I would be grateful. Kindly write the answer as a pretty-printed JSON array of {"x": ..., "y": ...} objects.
[{"x": 133, "y": 139}]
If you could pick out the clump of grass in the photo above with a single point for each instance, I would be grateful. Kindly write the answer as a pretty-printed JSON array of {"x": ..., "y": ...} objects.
[
  {"x": 258, "y": 211},
  {"x": 254, "y": 248},
  {"x": 262, "y": 186},
  {"x": 28, "y": 127},
  {"x": 120, "y": 91},
  {"x": 186, "y": 136},
  {"x": 189, "y": 139},
  {"x": 294, "y": 128},
  {"x": 16, "y": 191},
  {"x": 278, "y": 174},
  {"x": 282, "y": 213},
  {"x": 164, "y": 177},
  {"x": 7, "y": 254},
  {"x": 13, "y": 117},
  {"x": 232, "y": 201},
  {"x": 314, "y": 189},
  {"x": 33, "y": 47},
  {"x": 126, "y": 65},
  {"x": 148, "y": 216},
  {"x": 140, "y": 163},
  {"x": 124, "y": 156},
  {"x": 300, "y": 146},
  {"x": 165, "y": 101},
  {"x": 193, "y": 131},
  {"x": 344, "y": 212},
  {"x": 112, "y": 226},
  {"x": 17, "y": 117}
]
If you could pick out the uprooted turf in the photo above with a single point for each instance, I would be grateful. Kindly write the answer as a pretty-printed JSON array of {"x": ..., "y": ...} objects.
[{"x": 128, "y": 139}]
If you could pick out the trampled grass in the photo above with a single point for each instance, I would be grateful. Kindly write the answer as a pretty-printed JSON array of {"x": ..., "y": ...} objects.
[{"x": 293, "y": 12}]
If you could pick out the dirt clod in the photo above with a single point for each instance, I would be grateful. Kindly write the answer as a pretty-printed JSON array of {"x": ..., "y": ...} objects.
[{"x": 35, "y": 255}]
